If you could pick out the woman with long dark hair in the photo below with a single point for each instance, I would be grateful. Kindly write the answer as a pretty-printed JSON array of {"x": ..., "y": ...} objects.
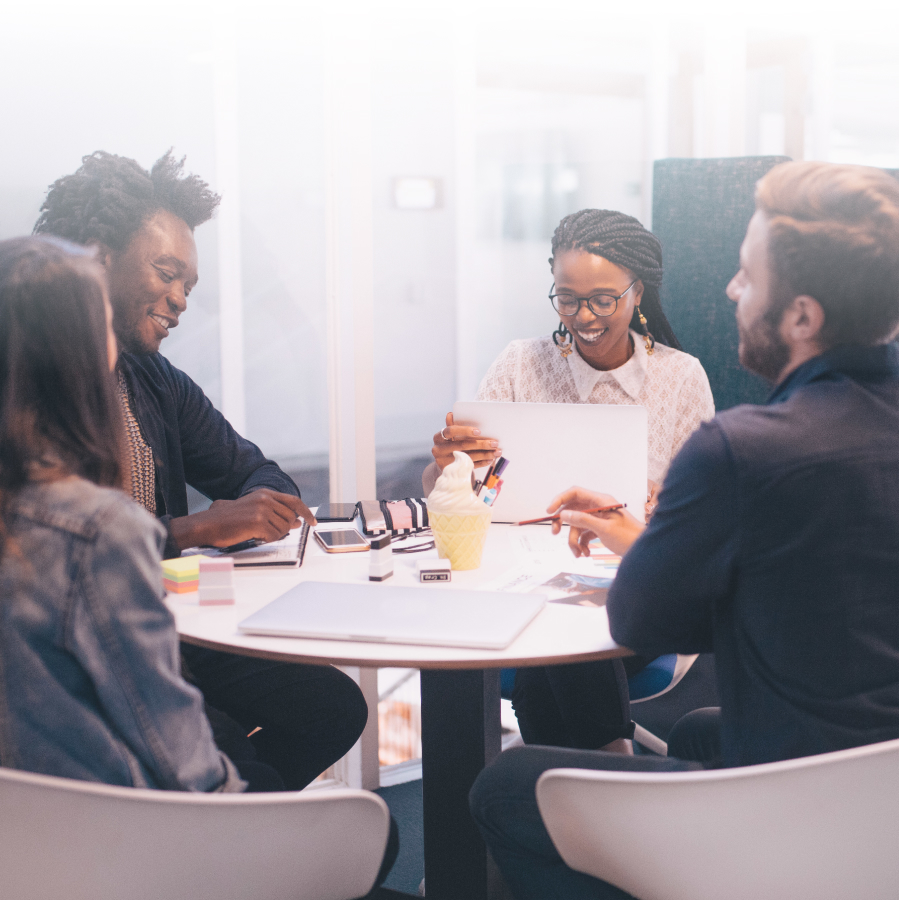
[{"x": 90, "y": 686}]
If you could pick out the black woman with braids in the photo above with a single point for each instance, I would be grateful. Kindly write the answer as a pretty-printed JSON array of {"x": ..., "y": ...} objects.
[
  {"x": 141, "y": 225},
  {"x": 613, "y": 345}
]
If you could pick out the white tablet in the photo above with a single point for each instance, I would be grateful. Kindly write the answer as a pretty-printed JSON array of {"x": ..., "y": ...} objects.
[{"x": 553, "y": 446}]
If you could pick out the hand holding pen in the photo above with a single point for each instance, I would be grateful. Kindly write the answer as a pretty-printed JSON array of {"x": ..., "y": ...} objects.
[
  {"x": 591, "y": 515},
  {"x": 558, "y": 516}
]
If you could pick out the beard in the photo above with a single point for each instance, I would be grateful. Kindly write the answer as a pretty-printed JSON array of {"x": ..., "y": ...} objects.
[{"x": 762, "y": 349}]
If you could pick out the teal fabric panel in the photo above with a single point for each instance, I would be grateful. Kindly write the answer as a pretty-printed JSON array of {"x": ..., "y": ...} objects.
[{"x": 700, "y": 211}]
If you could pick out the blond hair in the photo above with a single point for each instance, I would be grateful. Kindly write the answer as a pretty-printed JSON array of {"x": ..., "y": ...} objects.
[{"x": 834, "y": 235}]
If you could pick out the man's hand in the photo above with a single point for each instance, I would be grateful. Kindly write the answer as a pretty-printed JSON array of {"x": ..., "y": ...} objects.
[
  {"x": 462, "y": 437},
  {"x": 263, "y": 515},
  {"x": 617, "y": 530},
  {"x": 652, "y": 499}
]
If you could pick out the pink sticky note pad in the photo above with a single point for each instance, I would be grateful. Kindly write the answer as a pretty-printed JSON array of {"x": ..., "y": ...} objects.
[
  {"x": 216, "y": 564},
  {"x": 229, "y": 601}
]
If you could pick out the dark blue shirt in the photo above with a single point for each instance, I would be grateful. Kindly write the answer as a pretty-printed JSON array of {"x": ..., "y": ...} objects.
[
  {"x": 192, "y": 442},
  {"x": 776, "y": 544}
]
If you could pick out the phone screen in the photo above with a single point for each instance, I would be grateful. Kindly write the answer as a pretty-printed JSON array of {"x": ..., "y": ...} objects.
[{"x": 341, "y": 541}]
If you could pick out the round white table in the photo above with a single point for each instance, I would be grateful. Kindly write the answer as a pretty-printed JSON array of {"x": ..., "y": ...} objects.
[{"x": 459, "y": 687}]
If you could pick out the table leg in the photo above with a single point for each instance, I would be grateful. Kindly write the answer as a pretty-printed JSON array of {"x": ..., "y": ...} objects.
[{"x": 460, "y": 734}]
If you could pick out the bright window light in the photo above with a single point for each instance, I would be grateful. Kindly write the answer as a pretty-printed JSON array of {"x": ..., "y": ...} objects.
[{"x": 417, "y": 193}]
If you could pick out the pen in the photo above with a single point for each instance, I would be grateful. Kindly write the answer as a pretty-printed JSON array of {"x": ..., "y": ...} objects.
[
  {"x": 243, "y": 545},
  {"x": 556, "y": 517},
  {"x": 493, "y": 493},
  {"x": 486, "y": 478}
]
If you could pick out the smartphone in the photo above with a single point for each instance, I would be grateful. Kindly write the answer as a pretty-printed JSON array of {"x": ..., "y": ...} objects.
[
  {"x": 346, "y": 541},
  {"x": 336, "y": 512}
]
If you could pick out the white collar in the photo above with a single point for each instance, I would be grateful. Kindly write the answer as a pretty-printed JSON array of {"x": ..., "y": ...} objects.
[{"x": 630, "y": 376}]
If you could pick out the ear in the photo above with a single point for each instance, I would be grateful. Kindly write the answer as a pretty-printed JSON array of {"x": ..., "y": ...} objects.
[
  {"x": 102, "y": 253},
  {"x": 638, "y": 292},
  {"x": 803, "y": 321}
]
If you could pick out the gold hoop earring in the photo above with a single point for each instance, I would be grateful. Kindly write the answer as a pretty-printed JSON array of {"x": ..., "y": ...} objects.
[
  {"x": 560, "y": 335},
  {"x": 648, "y": 339}
]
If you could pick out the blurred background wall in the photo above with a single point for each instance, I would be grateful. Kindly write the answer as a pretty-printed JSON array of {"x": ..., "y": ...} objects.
[{"x": 483, "y": 124}]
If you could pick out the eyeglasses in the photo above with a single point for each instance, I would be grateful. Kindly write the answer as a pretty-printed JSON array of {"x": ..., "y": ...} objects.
[{"x": 598, "y": 304}]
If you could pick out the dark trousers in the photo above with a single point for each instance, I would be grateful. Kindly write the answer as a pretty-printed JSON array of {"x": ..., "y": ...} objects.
[
  {"x": 580, "y": 705},
  {"x": 504, "y": 804},
  {"x": 309, "y": 716}
]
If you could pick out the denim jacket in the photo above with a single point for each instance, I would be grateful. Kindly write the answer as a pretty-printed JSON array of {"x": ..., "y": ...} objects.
[{"x": 90, "y": 686}]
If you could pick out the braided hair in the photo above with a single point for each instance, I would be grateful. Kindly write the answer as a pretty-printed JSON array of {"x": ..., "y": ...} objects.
[
  {"x": 622, "y": 240},
  {"x": 110, "y": 197}
]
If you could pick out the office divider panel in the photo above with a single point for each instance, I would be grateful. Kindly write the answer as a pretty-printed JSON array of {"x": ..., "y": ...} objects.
[{"x": 700, "y": 211}]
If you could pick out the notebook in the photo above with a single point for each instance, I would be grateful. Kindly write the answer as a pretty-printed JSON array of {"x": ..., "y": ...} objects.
[
  {"x": 386, "y": 613},
  {"x": 289, "y": 552},
  {"x": 554, "y": 446}
]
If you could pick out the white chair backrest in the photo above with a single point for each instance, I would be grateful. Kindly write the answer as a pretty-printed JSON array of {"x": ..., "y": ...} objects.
[
  {"x": 820, "y": 828},
  {"x": 82, "y": 841}
]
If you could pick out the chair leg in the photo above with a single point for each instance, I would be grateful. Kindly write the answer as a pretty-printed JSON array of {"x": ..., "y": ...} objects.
[{"x": 648, "y": 740}]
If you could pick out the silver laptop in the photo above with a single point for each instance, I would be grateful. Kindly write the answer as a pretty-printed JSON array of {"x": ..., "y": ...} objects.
[
  {"x": 385, "y": 613},
  {"x": 554, "y": 446}
]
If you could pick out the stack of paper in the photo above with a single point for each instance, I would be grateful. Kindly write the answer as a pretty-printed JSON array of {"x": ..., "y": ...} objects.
[
  {"x": 216, "y": 580},
  {"x": 182, "y": 575}
]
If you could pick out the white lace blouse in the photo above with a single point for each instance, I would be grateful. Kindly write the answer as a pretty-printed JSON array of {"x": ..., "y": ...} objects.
[{"x": 672, "y": 385}]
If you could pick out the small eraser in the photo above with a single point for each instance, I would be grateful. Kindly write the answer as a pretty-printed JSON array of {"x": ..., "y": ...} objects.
[
  {"x": 430, "y": 570},
  {"x": 216, "y": 564}
]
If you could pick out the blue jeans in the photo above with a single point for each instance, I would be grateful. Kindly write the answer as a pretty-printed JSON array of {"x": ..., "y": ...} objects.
[{"x": 504, "y": 804}]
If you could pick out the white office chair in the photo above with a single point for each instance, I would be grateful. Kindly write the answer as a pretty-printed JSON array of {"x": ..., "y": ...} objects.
[
  {"x": 76, "y": 840},
  {"x": 819, "y": 828}
]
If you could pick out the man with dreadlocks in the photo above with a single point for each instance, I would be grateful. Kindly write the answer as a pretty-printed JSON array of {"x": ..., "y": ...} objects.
[
  {"x": 614, "y": 345},
  {"x": 141, "y": 225}
]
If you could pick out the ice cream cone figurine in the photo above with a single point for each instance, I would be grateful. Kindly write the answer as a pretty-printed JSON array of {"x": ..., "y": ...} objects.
[{"x": 459, "y": 520}]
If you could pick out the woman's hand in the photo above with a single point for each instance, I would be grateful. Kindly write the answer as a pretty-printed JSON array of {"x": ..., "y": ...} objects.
[
  {"x": 617, "y": 530},
  {"x": 462, "y": 437}
]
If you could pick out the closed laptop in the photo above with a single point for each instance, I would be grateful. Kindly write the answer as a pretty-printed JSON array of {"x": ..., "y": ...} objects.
[{"x": 483, "y": 620}]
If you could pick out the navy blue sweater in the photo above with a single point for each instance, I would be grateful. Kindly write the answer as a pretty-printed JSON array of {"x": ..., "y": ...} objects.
[
  {"x": 192, "y": 442},
  {"x": 776, "y": 544}
]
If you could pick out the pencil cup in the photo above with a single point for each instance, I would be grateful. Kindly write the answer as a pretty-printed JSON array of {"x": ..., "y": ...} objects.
[{"x": 460, "y": 538}]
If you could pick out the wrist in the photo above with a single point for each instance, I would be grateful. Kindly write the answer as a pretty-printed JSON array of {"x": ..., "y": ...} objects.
[{"x": 189, "y": 531}]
